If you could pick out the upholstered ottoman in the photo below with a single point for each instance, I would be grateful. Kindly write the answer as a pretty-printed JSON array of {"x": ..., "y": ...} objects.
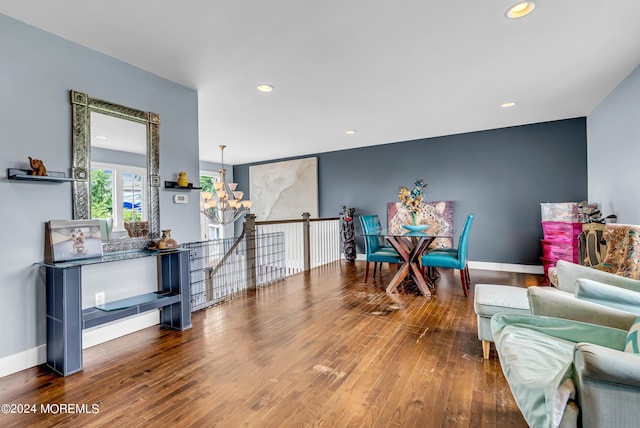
[{"x": 490, "y": 299}]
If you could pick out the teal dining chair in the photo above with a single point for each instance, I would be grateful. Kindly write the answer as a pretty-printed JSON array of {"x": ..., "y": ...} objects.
[
  {"x": 375, "y": 251},
  {"x": 453, "y": 258}
]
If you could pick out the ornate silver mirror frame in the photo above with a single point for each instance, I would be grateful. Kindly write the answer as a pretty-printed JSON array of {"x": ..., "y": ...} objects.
[{"x": 81, "y": 107}]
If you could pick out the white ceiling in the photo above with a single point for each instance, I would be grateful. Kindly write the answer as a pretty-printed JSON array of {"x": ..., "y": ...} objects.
[
  {"x": 393, "y": 70},
  {"x": 112, "y": 133}
]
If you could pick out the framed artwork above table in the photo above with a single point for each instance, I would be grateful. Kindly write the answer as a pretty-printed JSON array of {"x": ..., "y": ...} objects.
[{"x": 437, "y": 215}]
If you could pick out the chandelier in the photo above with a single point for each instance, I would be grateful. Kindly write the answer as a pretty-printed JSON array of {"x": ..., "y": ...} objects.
[{"x": 225, "y": 204}]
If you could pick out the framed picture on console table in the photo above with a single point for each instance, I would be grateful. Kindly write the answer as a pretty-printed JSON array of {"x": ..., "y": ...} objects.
[{"x": 72, "y": 240}]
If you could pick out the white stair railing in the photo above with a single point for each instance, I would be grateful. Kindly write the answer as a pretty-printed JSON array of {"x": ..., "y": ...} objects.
[{"x": 304, "y": 251}]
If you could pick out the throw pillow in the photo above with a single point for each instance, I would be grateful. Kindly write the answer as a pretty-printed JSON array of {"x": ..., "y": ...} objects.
[{"x": 631, "y": 344}]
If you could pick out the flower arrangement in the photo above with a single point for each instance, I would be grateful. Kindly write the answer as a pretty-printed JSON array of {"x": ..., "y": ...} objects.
[{"x": 411, "y": 199}]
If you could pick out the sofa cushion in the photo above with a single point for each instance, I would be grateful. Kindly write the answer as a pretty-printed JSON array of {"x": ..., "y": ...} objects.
[
  {"x": 608, "y": 295},
  {"x": 491, "y": 299},
  {"x": 631, "y": 344},
  {"x": 536, "y": 365}
]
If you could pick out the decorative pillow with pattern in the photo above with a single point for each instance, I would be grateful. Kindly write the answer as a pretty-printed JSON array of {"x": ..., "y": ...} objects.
[
  {"x": 630, "y": 263},
  {"x": 632, "y": 344},
  {"x": 615, "y": 234}
]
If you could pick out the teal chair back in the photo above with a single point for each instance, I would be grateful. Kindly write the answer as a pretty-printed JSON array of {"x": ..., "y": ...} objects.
[
  {"x": 463, "y": 245},
  {"x": 375, "y": 250},
  {"x": 370, "y": 223},
  {"x": 454, "y": 259}
]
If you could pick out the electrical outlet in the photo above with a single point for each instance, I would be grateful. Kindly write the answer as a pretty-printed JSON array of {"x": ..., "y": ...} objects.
[{"x": 100, "y": 298}]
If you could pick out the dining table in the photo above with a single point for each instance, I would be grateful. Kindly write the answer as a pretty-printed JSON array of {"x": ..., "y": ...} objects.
[{"x": 411, "y": 246}]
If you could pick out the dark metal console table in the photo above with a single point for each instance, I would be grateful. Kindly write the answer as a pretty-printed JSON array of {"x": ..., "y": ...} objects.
[{"x": 66, "y": 319}]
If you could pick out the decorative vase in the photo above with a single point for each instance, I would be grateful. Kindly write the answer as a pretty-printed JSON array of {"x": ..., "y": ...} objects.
[
  {"x": 167, "y": 242},
  {"x": 415, "y": 227}
]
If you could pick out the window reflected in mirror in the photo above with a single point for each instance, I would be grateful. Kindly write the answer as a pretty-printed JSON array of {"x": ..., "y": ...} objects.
[
  {"x": 119, "y": 192},
  {"x": 118, "y": 183}
]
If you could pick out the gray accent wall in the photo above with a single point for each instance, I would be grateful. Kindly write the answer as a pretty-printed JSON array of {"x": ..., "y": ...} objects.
[
  {"x": 37, "y": 70},
  {"x": 613, "y": 131},
  {"x": 501, "y": 175}
]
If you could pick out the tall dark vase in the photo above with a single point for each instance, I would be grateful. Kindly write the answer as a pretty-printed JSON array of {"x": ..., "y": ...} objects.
[{"x": 348, "y": 234}]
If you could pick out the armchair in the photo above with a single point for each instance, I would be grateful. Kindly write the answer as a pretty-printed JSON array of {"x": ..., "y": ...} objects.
[{"x": 568, "y": 373}]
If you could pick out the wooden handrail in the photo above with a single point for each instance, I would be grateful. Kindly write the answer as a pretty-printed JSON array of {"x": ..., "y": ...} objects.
[{"x": 230, "y": 251}]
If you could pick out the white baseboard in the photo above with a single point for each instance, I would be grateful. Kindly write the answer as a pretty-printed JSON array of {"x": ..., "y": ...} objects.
[
  {"x": 90, "y": 337},
  {"x": 503, "y": 267},
  {"x": 23, "y": 360},
  {"x": 507, "y": 267},
  {"x": 97, "y": 335}
]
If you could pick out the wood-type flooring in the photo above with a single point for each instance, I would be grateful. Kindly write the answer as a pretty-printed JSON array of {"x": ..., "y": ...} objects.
[{"x": 318, "y": 349}]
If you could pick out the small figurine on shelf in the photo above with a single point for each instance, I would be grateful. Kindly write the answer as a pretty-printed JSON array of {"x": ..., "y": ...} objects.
[
  {"x": 37, "y": 166},
  {"x": 183, "y": 181}
]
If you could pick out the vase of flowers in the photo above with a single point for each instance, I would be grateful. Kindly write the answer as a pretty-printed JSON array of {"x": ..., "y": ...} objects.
[{"x": 411, "y": 200}]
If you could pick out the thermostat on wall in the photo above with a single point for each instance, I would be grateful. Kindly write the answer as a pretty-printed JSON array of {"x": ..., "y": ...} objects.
[{"x": 180, "y": 199}]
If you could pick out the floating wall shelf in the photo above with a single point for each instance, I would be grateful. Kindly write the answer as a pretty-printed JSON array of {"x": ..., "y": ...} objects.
[
  {"x": 174, "y": 185},
  {"x": 25, "y": 175}
]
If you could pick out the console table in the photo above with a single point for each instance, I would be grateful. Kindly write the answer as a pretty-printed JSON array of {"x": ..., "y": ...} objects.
[{"x": 66, "y": 319}]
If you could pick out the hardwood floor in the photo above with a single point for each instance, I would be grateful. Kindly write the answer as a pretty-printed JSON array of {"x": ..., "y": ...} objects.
[{"x": 319, "y": 349}]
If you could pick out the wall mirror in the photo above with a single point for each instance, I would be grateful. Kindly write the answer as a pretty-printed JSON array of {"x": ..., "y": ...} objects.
[{"x": 116, "y": 163}]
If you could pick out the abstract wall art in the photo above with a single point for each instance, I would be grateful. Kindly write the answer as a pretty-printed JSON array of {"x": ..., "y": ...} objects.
[{"x": 284, "y": 190}]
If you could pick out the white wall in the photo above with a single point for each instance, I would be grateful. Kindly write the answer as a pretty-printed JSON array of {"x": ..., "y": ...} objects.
[
  {"x": 613, "y": 151},
  {"x": 37, "y": 70}
]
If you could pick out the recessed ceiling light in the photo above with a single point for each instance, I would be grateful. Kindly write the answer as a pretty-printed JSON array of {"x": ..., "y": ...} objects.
[
  {"x": 520, "y": 10},
  {"x": 263, "y": 87},
  {"x": 100, "y": 137},
  {"x": 507, "y": 104},
  {"x": 350, "y": 131}
]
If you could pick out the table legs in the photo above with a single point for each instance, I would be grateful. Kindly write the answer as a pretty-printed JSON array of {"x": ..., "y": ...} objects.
[{"x": 410, "y": 250}]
